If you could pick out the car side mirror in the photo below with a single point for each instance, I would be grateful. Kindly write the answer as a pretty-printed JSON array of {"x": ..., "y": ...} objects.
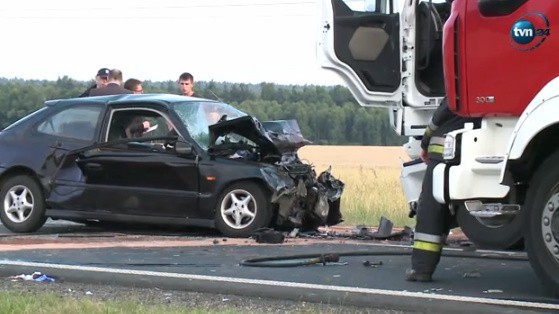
[{"x": 183, "y": 148}]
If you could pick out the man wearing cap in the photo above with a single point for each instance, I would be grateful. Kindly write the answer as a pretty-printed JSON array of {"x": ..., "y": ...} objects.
[
  {"x": 101, "y": 80},
  {"x": 113, "y": 88}
]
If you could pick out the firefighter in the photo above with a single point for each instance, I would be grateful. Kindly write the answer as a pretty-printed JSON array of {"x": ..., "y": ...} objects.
[{"x": 433, "y": 219}]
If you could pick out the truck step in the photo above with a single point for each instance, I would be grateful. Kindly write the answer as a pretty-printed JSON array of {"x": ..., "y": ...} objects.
[
  {"x": 490, "y": 159},
  {"x": 491, "y": 210}
]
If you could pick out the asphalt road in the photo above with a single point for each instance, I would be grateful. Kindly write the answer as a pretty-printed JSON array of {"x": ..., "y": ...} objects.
[{"x": 464, "y": 282}]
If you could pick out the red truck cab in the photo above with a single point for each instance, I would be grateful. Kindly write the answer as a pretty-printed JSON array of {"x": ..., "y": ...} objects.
[{"x": 498, "y": 54}]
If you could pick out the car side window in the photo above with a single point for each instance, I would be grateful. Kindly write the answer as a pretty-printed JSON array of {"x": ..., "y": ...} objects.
[
  {"x": 75, "y": 122},
  {"x": 142, "y": 124}
]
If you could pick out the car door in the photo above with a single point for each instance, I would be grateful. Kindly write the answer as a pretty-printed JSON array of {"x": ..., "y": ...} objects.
[
  {"x": 136, "y": 175},
  {"x": 372, "y": 46},
  {"x": 134, "y": 179},
  {"x": 70, "y": 128}
]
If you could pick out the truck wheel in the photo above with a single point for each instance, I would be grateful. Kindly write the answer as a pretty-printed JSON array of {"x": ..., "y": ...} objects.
[
  {"x": 542, "y": 223},
  {"x": 502, "y": 237},
  {"x": 241, "y": 209},
  {"x": 23, "y": 204}
]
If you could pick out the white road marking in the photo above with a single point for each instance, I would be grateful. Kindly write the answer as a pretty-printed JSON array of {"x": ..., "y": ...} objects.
[{"x": 287, "y": 284}]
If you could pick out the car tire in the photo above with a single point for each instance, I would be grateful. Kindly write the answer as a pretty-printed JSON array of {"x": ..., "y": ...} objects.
[
  {"x": 23, "y": 204},
  {"x": 508, "y": 236},
  {"x": 542, "y": 223},
  {"x": 241, "y": 209}
]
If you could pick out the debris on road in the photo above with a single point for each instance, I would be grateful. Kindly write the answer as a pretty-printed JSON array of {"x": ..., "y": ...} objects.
[
  {"x": 294, "y": 233},
  {"x": 372, "y": 264},
  {"x": 36, "y": 276},
  {"x": 472, "y": 274},
  {"x": 383, "y": 232},
  {"x": 268, "y": 235},
  {"x": 493, "y": 291}
]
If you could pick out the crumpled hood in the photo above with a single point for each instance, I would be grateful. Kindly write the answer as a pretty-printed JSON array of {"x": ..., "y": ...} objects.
[{"x": 273, "y": 137}]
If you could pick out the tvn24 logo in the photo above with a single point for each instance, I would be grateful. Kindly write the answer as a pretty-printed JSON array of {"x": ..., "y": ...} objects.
[{"x": 529, "y": 32}]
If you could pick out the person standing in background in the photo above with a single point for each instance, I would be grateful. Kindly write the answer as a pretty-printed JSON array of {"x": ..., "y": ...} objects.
[
  {"x": 113, "y": 88},
  {"x": 134, "y": 85},
  {"x": 101, "y": 80},
  {"x": 186, "y": 85}
]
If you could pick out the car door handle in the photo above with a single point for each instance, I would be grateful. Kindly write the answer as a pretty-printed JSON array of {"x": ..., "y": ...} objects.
[{"x": 93, "y": 167}]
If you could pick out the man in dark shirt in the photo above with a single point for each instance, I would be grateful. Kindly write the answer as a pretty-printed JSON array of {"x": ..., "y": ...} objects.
[
  {"x": 186, "y": 85},
  {"x": 113, "y": 87},
  {"x": 101, "y": 80}
]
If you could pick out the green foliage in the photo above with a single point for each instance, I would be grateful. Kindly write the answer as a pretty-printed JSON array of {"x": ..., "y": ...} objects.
[{"x": 326, "y": 115}]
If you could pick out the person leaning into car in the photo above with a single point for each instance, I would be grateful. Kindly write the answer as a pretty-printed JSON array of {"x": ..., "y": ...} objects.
[{"x": 113, "y": 87}]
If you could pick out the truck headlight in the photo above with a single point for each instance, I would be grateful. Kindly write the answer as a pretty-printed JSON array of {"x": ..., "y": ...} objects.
[{"x": 449, "y": 150}]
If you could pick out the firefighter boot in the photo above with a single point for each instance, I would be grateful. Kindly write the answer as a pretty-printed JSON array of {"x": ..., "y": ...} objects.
[
  {"x": 424, "y": 263},
  {"x": 412, "y": 275}
]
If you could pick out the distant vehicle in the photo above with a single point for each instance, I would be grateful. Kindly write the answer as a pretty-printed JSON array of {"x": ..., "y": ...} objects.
[{"x": 200, "y": 163}]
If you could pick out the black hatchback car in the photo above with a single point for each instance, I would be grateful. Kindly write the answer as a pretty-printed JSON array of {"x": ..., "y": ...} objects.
[{"x": 195, "y": 162}]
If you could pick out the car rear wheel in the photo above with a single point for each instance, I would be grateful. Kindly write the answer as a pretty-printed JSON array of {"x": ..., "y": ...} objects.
[
  {"x": 23, "y": 204},
  {"x": 241, "y": 209}
]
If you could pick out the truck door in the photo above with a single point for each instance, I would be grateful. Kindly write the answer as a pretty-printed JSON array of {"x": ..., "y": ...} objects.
[
  {"x": 389, "y": 53},
  {"x": 362, "y": 45}
]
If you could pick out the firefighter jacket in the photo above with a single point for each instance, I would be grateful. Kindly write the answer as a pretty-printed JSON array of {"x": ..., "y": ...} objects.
[{"x": 442, "y": 122}]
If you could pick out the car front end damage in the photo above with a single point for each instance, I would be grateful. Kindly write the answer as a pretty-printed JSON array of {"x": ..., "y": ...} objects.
[{"x": 303, "y": 199}]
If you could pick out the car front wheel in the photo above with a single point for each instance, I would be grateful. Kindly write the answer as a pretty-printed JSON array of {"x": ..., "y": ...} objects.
[
  {"x": 241, "y": 209},
  {"x": 23, "y": 204}
]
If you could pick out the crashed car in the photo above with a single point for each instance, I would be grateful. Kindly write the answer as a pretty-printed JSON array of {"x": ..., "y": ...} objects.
[{"x": 200, "y": 163}]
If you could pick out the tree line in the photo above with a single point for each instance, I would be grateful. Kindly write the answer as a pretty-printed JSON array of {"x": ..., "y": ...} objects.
[{"x": 327, "y": 115}]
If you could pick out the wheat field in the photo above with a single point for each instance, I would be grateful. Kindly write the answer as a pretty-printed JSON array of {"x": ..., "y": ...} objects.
[{"x": 372, "y": 181}]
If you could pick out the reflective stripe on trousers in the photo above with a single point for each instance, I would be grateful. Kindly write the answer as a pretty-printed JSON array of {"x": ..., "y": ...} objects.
[{"x": 427, "y": 246}]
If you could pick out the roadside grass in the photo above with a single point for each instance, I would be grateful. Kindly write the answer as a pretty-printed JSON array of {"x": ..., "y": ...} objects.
[
  {"x": 43, "y": 302},
  {"x": 370, "y": 193},
  {"x": 48, "y": 302}
]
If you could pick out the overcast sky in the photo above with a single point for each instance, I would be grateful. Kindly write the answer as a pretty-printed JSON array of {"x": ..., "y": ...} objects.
[{"x": 248, "y": 41}]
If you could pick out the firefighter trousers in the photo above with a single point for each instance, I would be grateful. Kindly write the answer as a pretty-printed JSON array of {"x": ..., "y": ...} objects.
[{"x": 432, "y": 226}]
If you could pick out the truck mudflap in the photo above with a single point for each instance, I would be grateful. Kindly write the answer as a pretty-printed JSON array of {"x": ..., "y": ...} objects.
[
  {"x": 411, "y": 178},
  {"x": 440, "y": 182}
]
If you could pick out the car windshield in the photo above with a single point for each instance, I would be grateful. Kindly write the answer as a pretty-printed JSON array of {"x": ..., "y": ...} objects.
[{"x": 197, "y": 116}]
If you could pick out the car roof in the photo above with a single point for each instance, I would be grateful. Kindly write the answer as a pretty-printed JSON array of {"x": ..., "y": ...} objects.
[{"x": 165, "y": 99}]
